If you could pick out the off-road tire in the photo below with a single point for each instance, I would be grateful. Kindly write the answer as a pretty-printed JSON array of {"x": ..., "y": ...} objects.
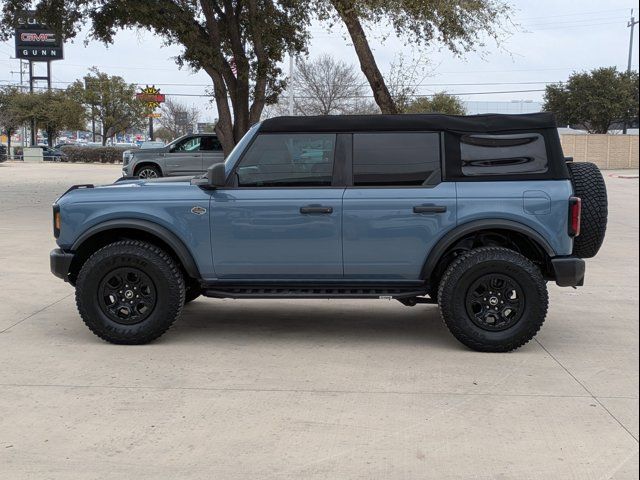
[
  {"x": 461, "y": 275},
  {"x": 157, "y": 265},
  {"x": 589, "y": 186}
]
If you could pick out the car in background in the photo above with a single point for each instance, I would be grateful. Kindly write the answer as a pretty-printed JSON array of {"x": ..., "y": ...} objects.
[
  {"x": 52, "y": 154},
  {"x": 188, "y": 155},
  {"x": 3, "y": 153}
]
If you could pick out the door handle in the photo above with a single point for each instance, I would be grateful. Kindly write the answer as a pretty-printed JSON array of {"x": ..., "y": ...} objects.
[
  {"x": 316, "y": 210},
  {"x": 429, "y": 209}
]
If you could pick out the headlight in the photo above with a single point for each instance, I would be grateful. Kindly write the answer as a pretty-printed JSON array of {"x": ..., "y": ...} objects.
[{"x": 126, "y": 158}]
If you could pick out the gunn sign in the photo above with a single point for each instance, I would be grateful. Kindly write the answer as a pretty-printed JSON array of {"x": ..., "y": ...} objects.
[{"x": 35, "y": 41}]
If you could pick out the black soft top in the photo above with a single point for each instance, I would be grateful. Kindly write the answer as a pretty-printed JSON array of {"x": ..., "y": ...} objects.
[{"x": 411, "y": 122}]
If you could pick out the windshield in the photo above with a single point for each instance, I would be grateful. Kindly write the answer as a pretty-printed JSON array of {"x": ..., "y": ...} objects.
[{"x": 240, "y": 147}]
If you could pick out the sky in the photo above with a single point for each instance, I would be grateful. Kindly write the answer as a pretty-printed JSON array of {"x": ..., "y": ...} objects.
[{"x": 552, "y": 39}]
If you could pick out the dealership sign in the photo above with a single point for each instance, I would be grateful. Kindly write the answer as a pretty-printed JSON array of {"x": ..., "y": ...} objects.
[{"x": 35, "y": 41}]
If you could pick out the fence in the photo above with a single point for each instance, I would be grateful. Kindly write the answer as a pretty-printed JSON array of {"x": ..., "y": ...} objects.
[{"x": 606, "y": 151}]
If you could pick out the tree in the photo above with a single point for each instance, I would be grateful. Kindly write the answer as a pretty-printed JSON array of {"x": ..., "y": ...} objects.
[
  {"x": 177, "y": 118},
  {"x": 238, "y": 43},
  {"x": 55, "y": 111},
  {"x": 594, "y": 100},
  {"x": 459, "y": 25},
  {"x": 164, "y": 134},
  {"x": 440, "y": 102},
  {"x": 111, "y": 100},
  {"x": 326, "y": 86},
  {"x": 10, "y": 118}
]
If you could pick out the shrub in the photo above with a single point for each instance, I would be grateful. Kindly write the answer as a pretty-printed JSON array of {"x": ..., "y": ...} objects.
[{"x": 93, "y": 154}]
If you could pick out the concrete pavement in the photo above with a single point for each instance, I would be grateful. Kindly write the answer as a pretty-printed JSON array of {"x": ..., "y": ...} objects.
[{"x": 309, "y": 389}]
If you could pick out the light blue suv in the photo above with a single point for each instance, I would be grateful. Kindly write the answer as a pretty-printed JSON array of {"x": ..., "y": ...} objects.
[{"x": 474, "y": 213}]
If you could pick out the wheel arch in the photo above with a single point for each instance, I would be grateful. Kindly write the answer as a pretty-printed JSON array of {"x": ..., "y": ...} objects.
[
  {"x": 466, "y": 230},
  {"x": 147, "y": 163},
  {"x": 110, "y": 231}
]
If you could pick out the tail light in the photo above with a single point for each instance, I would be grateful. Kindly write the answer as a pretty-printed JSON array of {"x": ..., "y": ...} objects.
[{"x": 575, "y": 212}]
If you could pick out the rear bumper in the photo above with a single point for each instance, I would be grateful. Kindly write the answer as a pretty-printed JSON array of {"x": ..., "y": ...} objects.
[
  {"x": 568, "y": 271},
  {"x": 60, "y": 262}
]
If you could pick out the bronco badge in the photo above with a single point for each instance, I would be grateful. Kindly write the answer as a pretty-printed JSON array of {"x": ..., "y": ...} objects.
[{"x": 198, "y": 210}]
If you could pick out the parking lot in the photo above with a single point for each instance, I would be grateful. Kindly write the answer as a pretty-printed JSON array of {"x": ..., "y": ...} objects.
[{"x": 309, "y": 389}]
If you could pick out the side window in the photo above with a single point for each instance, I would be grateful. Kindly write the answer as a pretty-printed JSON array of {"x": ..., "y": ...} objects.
[
  {"x": 503, "y": 154},
  {"x": 288, "y": 160},
  {"x": 396, "y": 159},
  {"x": 191, "y": 144},
  {"x": 210, "y": 144}
]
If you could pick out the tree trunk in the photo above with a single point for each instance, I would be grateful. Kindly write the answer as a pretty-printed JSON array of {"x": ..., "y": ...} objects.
[
  {"x": 9, "y": 155},
  {"x": 367, "y": 61}
]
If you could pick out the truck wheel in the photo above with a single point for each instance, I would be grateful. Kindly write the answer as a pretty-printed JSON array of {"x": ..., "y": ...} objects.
[
  {"x": 493, "y": 299},
  {"x": 589, "y": 186},
  {"x": 148, "y": 171},
  {"x": 129, "y": 292}
]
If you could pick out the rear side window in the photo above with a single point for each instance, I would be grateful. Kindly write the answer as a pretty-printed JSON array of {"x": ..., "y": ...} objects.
[
  {"x": 210, "y": 144},
  {"x": 503, "y": 154},
  {"x": 288, "y": 160},
  {"x": 396, "y": 159}
]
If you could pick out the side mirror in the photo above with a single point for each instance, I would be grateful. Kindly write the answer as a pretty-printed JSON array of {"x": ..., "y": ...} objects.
[{"x": 216, "y": 175}]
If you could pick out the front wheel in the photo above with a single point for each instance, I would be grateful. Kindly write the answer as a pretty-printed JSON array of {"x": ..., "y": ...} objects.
[
  {"x": 493, "y": 299},
  {"x": 129, "y": 292},
  {"x": 148, "y": 172}
]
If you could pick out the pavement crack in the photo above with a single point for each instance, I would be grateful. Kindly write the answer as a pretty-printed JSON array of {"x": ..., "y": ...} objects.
[
  {"x": 596, "y": 399},
  {"x": 35, "y": 313}
]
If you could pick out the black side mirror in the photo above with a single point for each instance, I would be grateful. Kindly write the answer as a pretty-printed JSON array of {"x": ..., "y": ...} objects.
[{"x": 216, "y": 175}]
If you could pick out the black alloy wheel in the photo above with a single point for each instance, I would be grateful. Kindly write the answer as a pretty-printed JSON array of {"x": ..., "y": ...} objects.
[{"x": 127, "y": 295}]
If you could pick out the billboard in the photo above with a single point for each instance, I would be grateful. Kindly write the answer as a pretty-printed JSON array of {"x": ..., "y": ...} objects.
[{"x": 35, "y": 41}]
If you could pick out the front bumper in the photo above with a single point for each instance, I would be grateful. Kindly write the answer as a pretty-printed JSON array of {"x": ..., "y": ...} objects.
[
  {"x": 568, "y": 271},
  {"x": 60, "y": 262}
]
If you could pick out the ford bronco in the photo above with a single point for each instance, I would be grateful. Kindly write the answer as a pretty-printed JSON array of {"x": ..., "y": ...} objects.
[{"x": 473, "y": 213}]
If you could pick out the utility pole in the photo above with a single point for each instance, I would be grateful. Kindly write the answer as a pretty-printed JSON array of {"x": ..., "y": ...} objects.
[
  {"x": 291, "y": 73},
  {"x": 632, "y": 23}
]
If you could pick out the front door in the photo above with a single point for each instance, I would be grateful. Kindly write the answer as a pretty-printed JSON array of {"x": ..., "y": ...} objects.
[
  {"x": 282, "y": 218},
  {"x": 397, "y": 208},
  {"x": 185, "y": 158}
]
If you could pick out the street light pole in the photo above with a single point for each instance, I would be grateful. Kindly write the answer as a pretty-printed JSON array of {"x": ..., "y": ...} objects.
[
  {"x": 632, "y": 23},
  {"x": 291, "y": 67}
]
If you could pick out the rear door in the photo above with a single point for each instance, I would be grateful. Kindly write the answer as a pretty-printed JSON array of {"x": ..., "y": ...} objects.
[
  {"x": 397, "y": 207},
  {"x": 211, "y": 150},
  {"x": 184, "y": 158}
]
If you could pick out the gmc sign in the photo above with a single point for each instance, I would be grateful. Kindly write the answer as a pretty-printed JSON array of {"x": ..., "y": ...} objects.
[{"x": 37, "y": 42}]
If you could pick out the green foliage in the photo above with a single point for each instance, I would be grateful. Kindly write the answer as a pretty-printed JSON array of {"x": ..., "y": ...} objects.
[
  {"x": 93, "y": 154},
  {"x": 594, "y": 100},
  {"x": 53, "y": 111},
  {"x": 111, "y": 101},
  {"x": 441, "y": 102}
]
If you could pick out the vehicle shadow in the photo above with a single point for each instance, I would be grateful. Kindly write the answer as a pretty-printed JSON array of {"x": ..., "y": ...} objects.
[{"x": 313, "y": 321}]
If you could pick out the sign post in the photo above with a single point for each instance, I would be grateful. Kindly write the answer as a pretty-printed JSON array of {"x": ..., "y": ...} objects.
[
  {"x": 37, "y": 43},
  {"x": 152, "y": 98}
]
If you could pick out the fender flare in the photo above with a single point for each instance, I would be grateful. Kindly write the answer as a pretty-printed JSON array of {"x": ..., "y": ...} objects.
[
  {"x": 461, "y": 231},
  {"x": 168, "y": 237}
]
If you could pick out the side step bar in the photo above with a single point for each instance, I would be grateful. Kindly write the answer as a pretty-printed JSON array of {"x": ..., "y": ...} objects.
[{"x": 313, "y": 292}]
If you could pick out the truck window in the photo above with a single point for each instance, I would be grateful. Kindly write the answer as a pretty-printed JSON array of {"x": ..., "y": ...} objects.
[
  {"x": 396, "y": 159},
  {"x": 503, "y": 154},
  {"x": 210, "y": 144},
  {"x": 288, "y": 160}
]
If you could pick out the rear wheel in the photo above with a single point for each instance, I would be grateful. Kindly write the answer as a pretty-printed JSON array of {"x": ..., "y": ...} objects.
[
  {"x": 493, "y": 299},
  {"x": 589, "y": 186},
  {"x": 129, "y": 292}
]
